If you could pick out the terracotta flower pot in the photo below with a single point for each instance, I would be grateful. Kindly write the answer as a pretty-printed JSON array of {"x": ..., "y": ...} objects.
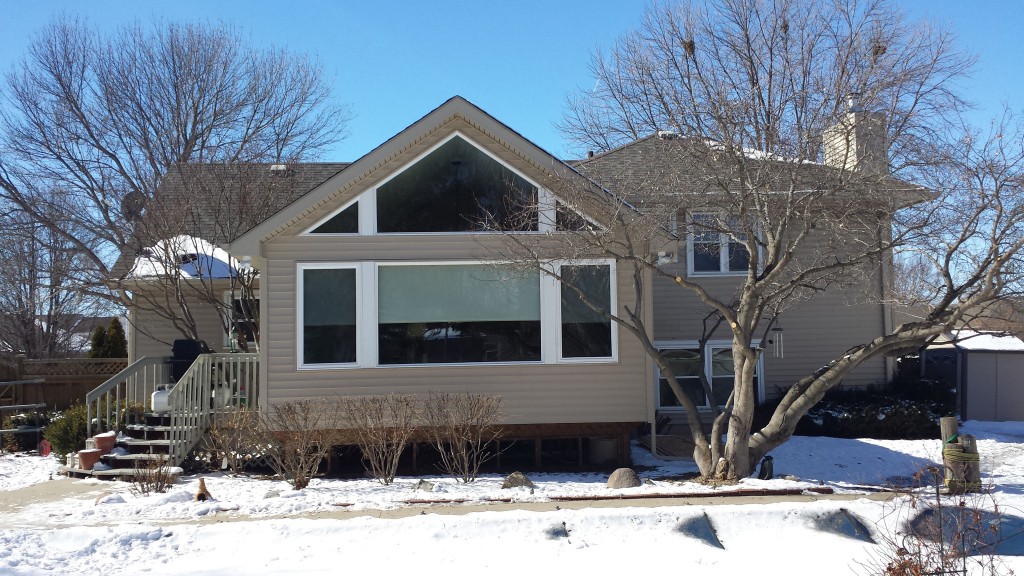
[
  {"x": 88, "y": 458},
  {"x": 105, "y": 442}
]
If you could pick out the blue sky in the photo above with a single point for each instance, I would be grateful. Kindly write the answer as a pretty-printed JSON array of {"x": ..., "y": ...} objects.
[{"x": 392, "y": 62}]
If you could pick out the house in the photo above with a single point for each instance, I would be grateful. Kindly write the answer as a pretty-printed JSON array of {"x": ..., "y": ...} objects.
[{"x": 383, "y": 277}]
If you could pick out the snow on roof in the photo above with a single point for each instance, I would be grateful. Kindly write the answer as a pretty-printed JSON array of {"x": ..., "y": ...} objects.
[
  {"x": 188, "y": 256},
  {"x": 987, "y": 341}
]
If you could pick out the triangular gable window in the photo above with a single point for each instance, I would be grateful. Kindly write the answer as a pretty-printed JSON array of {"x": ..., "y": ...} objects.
[
  {"x": 569, "y": 220},
  {"x": 344, "y": 222},
  {"x": 456, "y": 188}
]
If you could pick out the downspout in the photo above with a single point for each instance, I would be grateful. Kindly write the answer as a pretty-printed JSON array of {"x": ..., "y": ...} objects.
[
  {"x": 961, "y": 370},
  {"x": 885, "y": 274}
]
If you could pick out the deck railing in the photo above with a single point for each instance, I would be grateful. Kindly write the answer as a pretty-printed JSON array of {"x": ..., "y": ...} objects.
[
  {"x": 124, "y": 396},
  {"x": 212, "y": 384}
]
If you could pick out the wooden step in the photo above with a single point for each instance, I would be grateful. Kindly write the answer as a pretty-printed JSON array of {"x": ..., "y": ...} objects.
[
  {"x": 121, "y": 461},
  {"x": 112, "y": 474},
  {"x": 149, "y": 446}
]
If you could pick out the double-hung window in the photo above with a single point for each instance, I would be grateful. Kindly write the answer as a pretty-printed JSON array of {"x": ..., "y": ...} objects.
[
  {"x": 686, "y": 362},
  {"x": 716, "y": 244}
]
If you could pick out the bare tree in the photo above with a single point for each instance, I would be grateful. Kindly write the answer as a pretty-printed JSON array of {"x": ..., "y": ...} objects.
[
  {"x": 92, "y": 124},
  {"x": 747, "y": 93},
  {"x": 40, "y": 309}
]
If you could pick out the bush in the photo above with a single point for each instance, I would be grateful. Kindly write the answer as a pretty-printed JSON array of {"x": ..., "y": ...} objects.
[
  {"x": 66, "y": 432},
  {"x": 383, "y": 426},
  {"x": 234, "y": 438},
  {"x": 151, "y": 478},
  {"x": 298, "y": 436},
  {"x": 906, "y": 409},
  {"x": 462, "y": 427}
]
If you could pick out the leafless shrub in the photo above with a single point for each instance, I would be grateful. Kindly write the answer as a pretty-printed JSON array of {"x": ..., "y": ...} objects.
[
  {"x": 298, "y": 436},
  {"x": 383, "y": 426},
  {"x": 462, "y": 427},
  {"x": 234, "y": 438},
  {"x": 154, "y": 477},
  {"x": 931, "y": 533}
]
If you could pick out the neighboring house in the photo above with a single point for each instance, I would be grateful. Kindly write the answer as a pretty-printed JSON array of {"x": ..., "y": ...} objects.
[
  {"x": 987, "y": 369},
  {"x": 378, "y": 279}
]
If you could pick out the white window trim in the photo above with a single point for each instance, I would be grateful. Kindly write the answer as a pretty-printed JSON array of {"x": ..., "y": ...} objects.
[
  {"x": 361, "y": 350},
  {"x": 694, "y": 345},
  {"x": 367, "y": 279},
  {"x": 614, "y": 300},
  {"x": 723, "y": 248}
]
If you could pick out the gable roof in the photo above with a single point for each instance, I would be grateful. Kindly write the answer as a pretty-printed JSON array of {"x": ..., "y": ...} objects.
[
  {"x": 664, "y": 162},
  {"x": 218, "y": 202},
  {"x": 456, "y": 113}
]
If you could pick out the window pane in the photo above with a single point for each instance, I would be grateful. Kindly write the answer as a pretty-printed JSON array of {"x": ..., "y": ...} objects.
[
  {"x": 459, "y": 342},
  {"x": 721, "y": 387},
  {"x": 568, "y": 220},
  {"x": 456, "y": 293},
  {"x": 344, "y": 222},
  {"x": 586, "y": 333},
  {"x": 721, "y": 362},
  {"x": 686, "y": 365},
  {"x": 329, "y": 316},
  {"x": 739, "y": 258},
  {"x": 706, "y": 257},
  {"x": 691, "y": 386},
  {"x": 455, "y": 314},
  {"x": 456, "y": 188}
]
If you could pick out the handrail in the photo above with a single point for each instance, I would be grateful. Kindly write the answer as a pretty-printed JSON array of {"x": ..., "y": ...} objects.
[
  {"x": 213, "y": 383},
  {"x": 125, "y": 394}
]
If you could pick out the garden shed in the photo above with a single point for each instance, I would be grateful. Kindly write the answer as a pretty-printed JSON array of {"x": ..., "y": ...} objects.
[{"x": 987, "y": 369}]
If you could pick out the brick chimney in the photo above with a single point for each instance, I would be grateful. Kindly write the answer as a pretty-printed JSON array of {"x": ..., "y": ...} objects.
[{"x": 858, "y": 141}]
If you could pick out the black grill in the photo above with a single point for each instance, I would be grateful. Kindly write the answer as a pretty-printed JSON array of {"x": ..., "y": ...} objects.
[{"x": 183, "y": 353}]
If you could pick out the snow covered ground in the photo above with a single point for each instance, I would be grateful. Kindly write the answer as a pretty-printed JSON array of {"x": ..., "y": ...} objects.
[{"x": 262, "y": 527}]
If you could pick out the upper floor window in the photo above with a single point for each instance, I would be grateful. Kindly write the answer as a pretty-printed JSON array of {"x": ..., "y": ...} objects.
[
  {"x": 456, "y": 188},
  {"x": 344, "y": 222},
  {"x": 716, "y": 245}
]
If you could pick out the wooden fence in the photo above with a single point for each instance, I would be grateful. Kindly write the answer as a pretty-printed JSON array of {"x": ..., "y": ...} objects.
[{"x": 66, "y": 380}]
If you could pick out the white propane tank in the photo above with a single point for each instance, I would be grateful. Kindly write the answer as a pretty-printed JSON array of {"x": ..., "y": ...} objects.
[{"x": 160, "y": 400}]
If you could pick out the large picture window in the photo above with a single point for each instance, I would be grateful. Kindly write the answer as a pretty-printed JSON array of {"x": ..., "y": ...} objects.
[
  {"x": 586, "y": 299},
  {"x": 367, "y": 314},
  {"x": 329, "y": 306},
  {"x": 456, "y": 188},
  {"x": 430, "y": 314}
]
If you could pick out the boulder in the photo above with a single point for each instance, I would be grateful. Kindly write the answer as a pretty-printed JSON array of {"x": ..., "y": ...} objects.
[
  {"x": 623, "y": 478},
  {"x": 423, "y": 486},
  {"x": 516, "y": 480}
]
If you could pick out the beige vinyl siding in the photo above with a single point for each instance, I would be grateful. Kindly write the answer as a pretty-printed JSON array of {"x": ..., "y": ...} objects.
[
  {"x": 153, "y": 335},
  {"x": 531, "y": 393},
  {"x": 815, "y": 331}
]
